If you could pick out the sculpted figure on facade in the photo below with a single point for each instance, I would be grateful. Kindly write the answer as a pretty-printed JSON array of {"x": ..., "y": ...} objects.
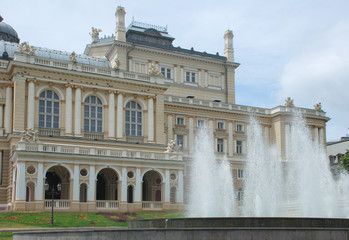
[
  {"x": 154, "y": 71},
  {"x": 318, "y": 106},
  {"x": 117, "y": 63},
  {"x": 26, "y": 48},
  {"x": 95, "y": 33},
  {"x": 72, "y": 57},
  {"x": 29, "y": 135},
  {"x": 172, "y": 147},
  {"x": 289, "y": 102}
]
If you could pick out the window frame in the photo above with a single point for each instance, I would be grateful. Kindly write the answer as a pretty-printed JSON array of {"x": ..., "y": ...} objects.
[
  {"x": 136, "y": 125},
  {"x": 240, "y": 173},
  {"x": 93, "y": 108},
  {"x": 220, "y": 145},
  {"x": 178, "y": 142},
  {"x": 239, "y": 127},
  {"x": 239, "y": 147},
  {"x": 190, "y": 77},
  {"x": 45, "y": 114},
  {"x": 166, "y": 72},
  {"x": 180, "y": 121},
  {"x": 222, "y": 125}
]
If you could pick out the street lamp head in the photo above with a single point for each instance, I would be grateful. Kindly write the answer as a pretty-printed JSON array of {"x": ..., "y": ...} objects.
[
  {"x": 59, "y": 187},
  {"x": 47, "y": 186}
]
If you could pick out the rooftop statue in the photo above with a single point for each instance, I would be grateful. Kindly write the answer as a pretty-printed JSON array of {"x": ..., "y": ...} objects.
[
  {"x": 73, "y": 57},
  {"x": 154, "y": 71},
  {"x": 95, "y": 33},
  {"x": 318, "y": 106},
  {"x": 172, "y": 147},
  {"x": 26, "y": 48},
  {"x": 29, "y": 135},
  {"x": 289, "y": 102}
]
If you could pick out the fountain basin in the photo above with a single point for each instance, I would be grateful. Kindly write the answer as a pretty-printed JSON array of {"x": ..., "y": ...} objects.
[{"x": 241, "y": 222}]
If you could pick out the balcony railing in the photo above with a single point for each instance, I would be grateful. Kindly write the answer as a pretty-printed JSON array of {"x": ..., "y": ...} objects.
[
  {"x": 152, "y": 205},
  {"x": 107, "y": 204},
  {"x": 63, "y": 204},
  {"x": 49, "y": 132},
  {"x": 96, "y": 151},
  {"x": 93, "y": 135}
]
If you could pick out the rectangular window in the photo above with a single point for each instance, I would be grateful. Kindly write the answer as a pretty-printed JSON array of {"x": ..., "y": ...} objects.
[
  {"x": 190, "y": 77},
  {"x": 180, "y": 141},
  {"x": 240, "y": 195},
  {"x": 240, "y": 173},
  {"x": 239, "y": 128},
  {"x": 220, "y": 145},
  {"x": 166, "y": 72},
  {"x": 201, "y": 123},
  {"x": 220, "y": 125},
  {"x": 239, "y": 147},
  {"x": 180, "y": 121}
]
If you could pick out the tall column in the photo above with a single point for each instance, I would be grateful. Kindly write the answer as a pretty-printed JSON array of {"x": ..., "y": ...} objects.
[
  {"x": 266, "y": 135},
  {"x": 14, "y": 176},
  {"x": 180, "y": 189},
  {"x": 31, "y": 103},
  {"x": 91, "y": 196},
  {"x": 160, "y": 137},
  {"x": 316, "y": 135},
  {"x": 169, "y": 127},
  {"x": 124, "y": 185},
  {"x": 1, "y": 167},
  {"x": 230, "y": 138},
  {"x": 211, "y": 129},
  {"x": 111, "y": 115},
  {"x": 20, "y": 182},
  {"x": 120, "y": 116},
  {"x": 167, "y": 186},
  {"x": 68, "y": 109},
  {"x": 191, "y": 134},
  {"x": 77, "y": 122},
  {"x": 20, "y": 111},
  {"x": 8, "y": 109},
  {"x": 39, "y": 189},
  {"x": 150, "y": 119},
  {"x": 138, "y": 185},
  {"x": 1, "y": 115},
  {"x": 287, "y": 140},
  {"x": 321, "y": 136},
  {"x": 76, "y": 184}
]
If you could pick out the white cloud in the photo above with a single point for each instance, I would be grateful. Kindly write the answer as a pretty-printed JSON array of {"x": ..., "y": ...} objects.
[{"x": 320, "y": 73}]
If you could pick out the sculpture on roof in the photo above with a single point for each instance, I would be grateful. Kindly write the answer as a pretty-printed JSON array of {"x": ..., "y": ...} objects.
[
  {"x": 172, "y": 147},
  {"x": 154, "y": 71},
  {"x": 26, "y": 48},
  {"x": 95, "y": 33},
  {"x": 289, "y": 102},
  {"x": 29, "y": 135},
  {"x": 318, "y": 106},
  {"x": 73, "y": 57}
]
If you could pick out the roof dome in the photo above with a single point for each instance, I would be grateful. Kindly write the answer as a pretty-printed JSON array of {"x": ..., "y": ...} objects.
[{"x": 7, "y": 33}]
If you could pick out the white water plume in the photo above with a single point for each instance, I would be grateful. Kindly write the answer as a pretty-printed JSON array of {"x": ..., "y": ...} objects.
[{"x": 211, "y": 191}]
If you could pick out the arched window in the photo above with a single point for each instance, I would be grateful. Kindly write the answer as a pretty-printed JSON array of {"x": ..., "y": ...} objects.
[
  {"x": 133, "y": 119},
  {"x": 48, "y": 109},
  {"x": 93, "y": 114}
]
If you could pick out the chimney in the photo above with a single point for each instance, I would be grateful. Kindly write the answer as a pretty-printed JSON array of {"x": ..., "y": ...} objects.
[
  {"x": 120, "y": 31},
  {"x": 228, "y": 46}
]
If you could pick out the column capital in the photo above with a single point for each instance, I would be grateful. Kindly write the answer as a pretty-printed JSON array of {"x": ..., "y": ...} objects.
[
  {"x": 9, "y": 85},
  {"x": 191, "y": 116},
  {"x": 151, "y": 97},
  {"x": 170, "y": 114},
  {"x": 111, "y": 92},
  {"x": 121, "y": 93},
  {"x": 68, "y": 85},
  {"x": 29, "y": 80},
  {"x": 78, "y": 87},
  {"x": 210, "y": 119},
  {"x": 230, "y": 121}
]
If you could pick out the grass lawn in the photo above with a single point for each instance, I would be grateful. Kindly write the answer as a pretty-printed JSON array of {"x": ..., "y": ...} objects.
[{"x": 66, "y": 220}]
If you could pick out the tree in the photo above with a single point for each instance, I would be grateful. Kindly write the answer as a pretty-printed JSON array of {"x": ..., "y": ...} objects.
[{"x": 344, "y": 161}]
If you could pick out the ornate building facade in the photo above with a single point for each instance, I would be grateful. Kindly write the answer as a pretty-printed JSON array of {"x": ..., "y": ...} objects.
[{"x": 102, "y": 124}]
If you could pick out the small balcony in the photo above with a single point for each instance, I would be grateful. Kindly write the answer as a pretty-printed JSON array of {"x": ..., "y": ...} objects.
[{"x": 50, "y": 132}]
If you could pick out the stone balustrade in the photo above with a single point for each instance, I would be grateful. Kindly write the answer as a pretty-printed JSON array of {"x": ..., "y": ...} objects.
[
  {"x": 107, "y": 204},
  {"x": 99, "y": 151},
  {"x": 242, "y": 108},
  {"x": 62, "y": 204},
  {"x": 152, "y": 205}
]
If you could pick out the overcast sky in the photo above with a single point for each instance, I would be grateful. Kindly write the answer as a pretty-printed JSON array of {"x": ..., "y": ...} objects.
[{"x": 296, "y": 48}]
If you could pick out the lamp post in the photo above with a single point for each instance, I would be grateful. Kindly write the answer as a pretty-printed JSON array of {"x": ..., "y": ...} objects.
[{"x": 53, "y": 193}]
